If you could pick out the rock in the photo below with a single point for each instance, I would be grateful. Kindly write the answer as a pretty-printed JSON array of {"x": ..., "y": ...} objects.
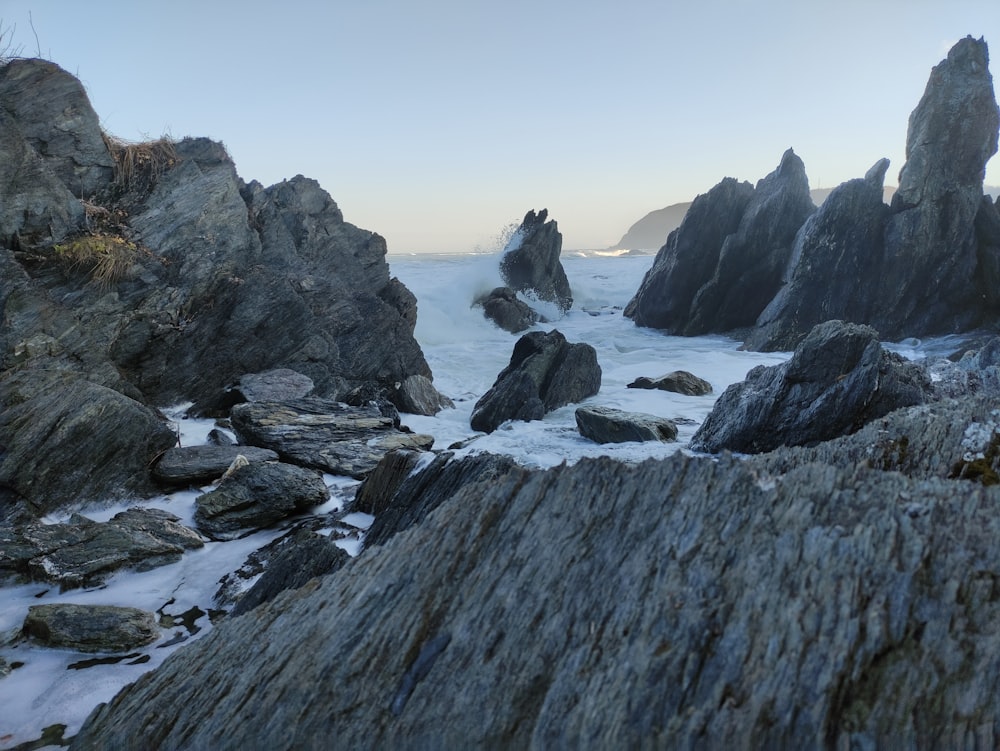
[
  {"x": 305, "y": 556},
  {"x": 838, "y": 379},
  {"x": 67, "y": 439},
  {"x": 280, "y": 384},
  {"x": 218, "y": 437},
  {"x": 677, "y": 381},
  {"x": 55, "y": 117},
  {"x": 82, "y": 552},
  {"x": 380, "y": 486},
  {"x": 416, "y": 395},
  {"x": 503, "y": 307},
  {"x": 530, "y": 262},
  {"x": 725, "y": 262},
  {"x": 821, "y": 608},
  {"x": 90, "y": 628},
  {"x": 426, "y": 488},
  {"x": 545, "y": 372},
  {"x": 323, "y": 434},
  {"x": 607, "y": 425},
  {"x": 255, "y": 496},
  {"x": 870, "y": 264},
  {"x": 197, "y": 465},
  {"x": 837, "y": 265}
]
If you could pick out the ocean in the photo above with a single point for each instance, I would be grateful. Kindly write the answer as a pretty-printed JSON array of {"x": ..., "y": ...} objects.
[{"x": 465, "y": 352}]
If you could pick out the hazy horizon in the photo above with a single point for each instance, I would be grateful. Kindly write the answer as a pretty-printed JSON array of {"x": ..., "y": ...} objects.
[{"x": 437, "y": 124}]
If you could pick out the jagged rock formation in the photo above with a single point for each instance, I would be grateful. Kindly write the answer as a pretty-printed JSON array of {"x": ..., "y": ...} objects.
[
  {"x": 838, "y": 379},
  {"x": 722, "y": 266},
  {"x": 819, "y": 608},
  {"x": 152, "y": 270},
  {"x": 545, "y": 372},
  {"x": 531, "y": 261},
  {"x": 929, "y": 264}
]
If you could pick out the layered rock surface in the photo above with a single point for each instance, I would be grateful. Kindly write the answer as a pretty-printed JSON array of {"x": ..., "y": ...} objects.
[
  {"x": 152, "y": 270},
  {"x": 722, "y": 266},
  {"x": 586, "y": 606},
  {"x": 531, "y": 264}
]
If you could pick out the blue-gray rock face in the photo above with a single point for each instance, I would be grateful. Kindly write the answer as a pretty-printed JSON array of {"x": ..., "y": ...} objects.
[
  {"x": 725, "y": 262},
  {"x": 837, "y": 380},
  {"x": 532, "y": 265}
]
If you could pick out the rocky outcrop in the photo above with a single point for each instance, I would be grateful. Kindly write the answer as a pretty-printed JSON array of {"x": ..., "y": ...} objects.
[
  {"x": 322, "y": 434},
  {"x": 280, "y": 384},
  {"x": 506, "y": 310},
  {"x": 402, "y": 504},
  {"x": 865, "y": 263},
  {"x": 530, "y": 262},
  {"x": 83, "y": 553},
  {"x": 254, "y": 496},
  {"x": 722, "y": 266},
  {"x": 838, "y": 379},
  {"x": 677, "y": 381},
  {"x": 837, "y": 266},
  {"x": 197, "y": 465},
  {"x": 303, "y": 556},
  {"x": 90, "y": 628},
  {"x": 545, "y": 372},
  {"x": 820, "y": 608},
  {"x": 154, "y": 271},
  {"x": 416, "y": 395},
  {"x": 608, "y": 425}
]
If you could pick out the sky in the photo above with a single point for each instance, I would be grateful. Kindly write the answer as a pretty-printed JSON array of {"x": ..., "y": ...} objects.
[{"x": 436, "y": 123}]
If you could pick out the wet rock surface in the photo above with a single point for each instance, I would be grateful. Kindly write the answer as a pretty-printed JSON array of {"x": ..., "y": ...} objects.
[
  {"x": 90, "y": 628},
  {"x": 254, "y": 496},
  {"x": 715, "y": 612},
  {"x": 532, "y": 264},
  {"x": 677, "y": 381},
  {"x": 506, "y": 310},
  {"x": 197, "y": 465},
  {"x": 416, "y": 395},
  {"x": 608, "y": 425},
  {"x": 545, "y": 372},
  {"x": 82, "y": 552},
  {"x": 838, "y": 379},
  {"x": 323, "y": 434}
]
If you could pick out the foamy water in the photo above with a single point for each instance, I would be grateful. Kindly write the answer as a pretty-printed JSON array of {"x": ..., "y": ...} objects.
[{"x": 465, "y": 352}]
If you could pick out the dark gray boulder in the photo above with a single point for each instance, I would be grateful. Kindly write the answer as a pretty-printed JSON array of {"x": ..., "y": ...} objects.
[
  {"x": 545, "y": 372},
  {"x": 531, "y": 262},
  {"x": 378, "y": 488},
  {"x": 254, "y": 496},
  {"x": 197, "y": 465},
  {"x": 323, "y": 434},
  {"x": 838, "y": 379},
  {"x": 836, "y": 268},
  {"x": 506, "y": 310},
  {"x": 725, "y": 262},
  {"x": 83, "y": 553},
  {"x": 825, "y": 608},
  {"x": 677, "y": 381},
  {"x": 407, "y": 503},
  {"x": 608, "y": 425},
  {"x": 304, "y": 556},
  {"x": 280, "y": 384},
  {"x": 90, "y": 628},
  {"x": 416, "y": 395}
]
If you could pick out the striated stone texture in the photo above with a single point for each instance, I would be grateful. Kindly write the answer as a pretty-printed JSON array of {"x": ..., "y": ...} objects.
[
  {"x": 90, "y": 628},
  {"x": 725, "y": 262},
  {"x": 685, "y": 602},
  {"x": 838, "y": 379}
]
